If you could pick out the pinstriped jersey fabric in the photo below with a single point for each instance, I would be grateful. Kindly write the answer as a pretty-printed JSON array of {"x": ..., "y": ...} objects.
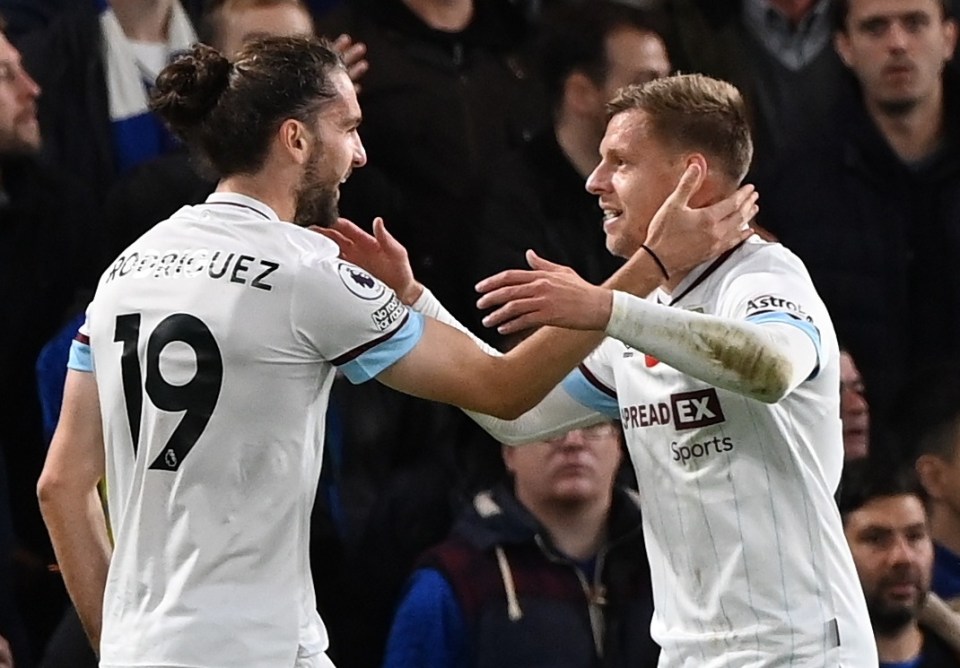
[{"x": 749, "y": 562}]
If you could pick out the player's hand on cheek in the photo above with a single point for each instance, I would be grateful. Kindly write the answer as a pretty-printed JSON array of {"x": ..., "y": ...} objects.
[
  {"x": 683, "y": 237},
  {"x": 550, "y": 294},
  {"x": 378, "y": 253}
]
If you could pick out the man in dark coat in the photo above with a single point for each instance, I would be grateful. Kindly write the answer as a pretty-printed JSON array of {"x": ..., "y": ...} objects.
[{"x": 873, "y": 206}]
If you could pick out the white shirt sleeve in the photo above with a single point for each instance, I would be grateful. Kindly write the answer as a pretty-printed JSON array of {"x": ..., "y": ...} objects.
[
  {"x": 760, "y": 344},
  {"x": 773, "y": 286},
  {"x": 352, "y": 319}
]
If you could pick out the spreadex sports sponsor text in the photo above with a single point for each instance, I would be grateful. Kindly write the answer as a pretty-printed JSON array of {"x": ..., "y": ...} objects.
[{"x": 684, "y": 410}]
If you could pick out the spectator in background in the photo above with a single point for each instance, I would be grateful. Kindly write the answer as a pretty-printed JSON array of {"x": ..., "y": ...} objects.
[
  {"x": 95, "y": 65},
  {"x": 537, "y": 198},
  {"x": 885, "y": 523},
  {"x": 155, "y": 189},
  {"x": 871, "y": 205},
  {"x": 932, "y": 423},
  {"x": 227, "y": 24},
  {"x": 446, "y": 96},
  {"x": 854, "y": 409},
  {"x": 777, "y": 52},
  {"x": 49, "y": 253},
  {"x": 26, "y": 16},
  {"x": 548, "y": 571}
]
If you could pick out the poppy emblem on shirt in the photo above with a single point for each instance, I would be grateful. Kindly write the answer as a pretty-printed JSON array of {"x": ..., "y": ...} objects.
[{"x": 360, "y": 283}]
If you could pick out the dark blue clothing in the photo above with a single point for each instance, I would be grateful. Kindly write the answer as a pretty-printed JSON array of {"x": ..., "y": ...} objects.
[
  {"x": 946, "y": 573},
  {"x": 912, "y": 663},
  {"x": 934, "y": 654},
  {"x": 429, "y": 630}
]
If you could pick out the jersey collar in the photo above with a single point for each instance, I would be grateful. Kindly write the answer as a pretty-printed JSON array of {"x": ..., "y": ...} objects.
[
  {"x": 254, "y": 206},
  {"x": 697, "y": 276}
]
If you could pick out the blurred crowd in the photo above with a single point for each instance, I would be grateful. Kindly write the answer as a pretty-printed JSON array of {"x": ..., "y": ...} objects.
[{"x": 481, "y": 121}]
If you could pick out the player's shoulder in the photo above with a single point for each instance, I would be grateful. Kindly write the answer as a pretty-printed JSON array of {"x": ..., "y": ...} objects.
[
  {"x": 759, "y": 255},
  {"x": 310, "y": 246},
  {"x": 180, "y": 223}
]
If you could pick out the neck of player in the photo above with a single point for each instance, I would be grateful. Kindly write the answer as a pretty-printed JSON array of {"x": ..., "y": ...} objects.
[{"x": 277, "y": 194}]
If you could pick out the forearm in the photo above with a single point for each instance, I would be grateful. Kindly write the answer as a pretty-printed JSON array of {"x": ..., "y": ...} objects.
[
  {"x": 78, "y": 532},
  {"x": 430, "y": 306},
  {"x": 556, "y": 351},
  {"x": 512, "y": 384},
  {"x": 761, "y": 362},
  {"x": 519, "y": 380},
  {"x": 557, "y": 414}
]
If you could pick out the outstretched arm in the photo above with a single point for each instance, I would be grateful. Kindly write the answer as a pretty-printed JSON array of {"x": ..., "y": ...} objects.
[
  {"x": 764, "y": 362},
  {"x": 448, "y": 366}
]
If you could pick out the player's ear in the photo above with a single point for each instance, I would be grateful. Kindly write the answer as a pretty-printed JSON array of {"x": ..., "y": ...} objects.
[
  {"x": 294, "y": 138},
  {"x": 699, "y": 160},
  {"x": 705, "y": 188}
]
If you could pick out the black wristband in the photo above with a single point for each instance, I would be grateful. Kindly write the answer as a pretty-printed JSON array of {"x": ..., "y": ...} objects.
[{"x": 660, "y": 264}]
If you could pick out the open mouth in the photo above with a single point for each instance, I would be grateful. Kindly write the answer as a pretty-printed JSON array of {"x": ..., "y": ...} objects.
[{"x": 611, "y": 215}]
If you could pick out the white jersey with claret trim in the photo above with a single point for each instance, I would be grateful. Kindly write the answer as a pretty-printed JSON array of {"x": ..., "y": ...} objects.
[
  {"x": 215, "y": 339},
  {"x": 749, "y": 562}
]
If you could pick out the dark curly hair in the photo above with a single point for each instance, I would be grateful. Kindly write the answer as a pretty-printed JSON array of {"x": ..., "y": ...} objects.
[{"x": 227, "y": 113}]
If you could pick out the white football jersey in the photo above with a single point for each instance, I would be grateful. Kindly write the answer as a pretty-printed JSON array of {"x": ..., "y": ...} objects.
[
  {"x": 749, "y": 562},
  {"x": 215, "y": 338}
]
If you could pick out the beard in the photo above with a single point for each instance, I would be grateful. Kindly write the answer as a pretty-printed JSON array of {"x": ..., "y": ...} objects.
[
  {"x": 316, "y": 203},
  {"x": 888, "y": 618}
]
